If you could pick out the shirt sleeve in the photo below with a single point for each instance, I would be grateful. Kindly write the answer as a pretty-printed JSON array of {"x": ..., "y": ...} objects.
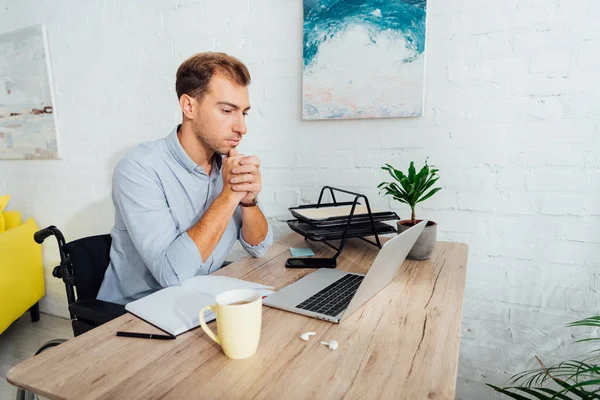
[
  {"x": 171, "y": 257},
  {"x": 260, "y": 249}
]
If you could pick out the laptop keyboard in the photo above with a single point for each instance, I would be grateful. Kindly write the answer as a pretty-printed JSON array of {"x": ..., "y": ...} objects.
[{"x": 335, "y": 297}]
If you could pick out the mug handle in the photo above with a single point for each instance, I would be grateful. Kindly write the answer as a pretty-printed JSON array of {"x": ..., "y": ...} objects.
[{"x": 205, "y": 327}]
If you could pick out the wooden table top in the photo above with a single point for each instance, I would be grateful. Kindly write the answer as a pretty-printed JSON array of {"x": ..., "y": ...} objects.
[{"x": 403, "y": 343}]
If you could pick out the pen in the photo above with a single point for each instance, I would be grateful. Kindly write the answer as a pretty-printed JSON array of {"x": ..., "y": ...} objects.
[{"x": 145, "y": 335}]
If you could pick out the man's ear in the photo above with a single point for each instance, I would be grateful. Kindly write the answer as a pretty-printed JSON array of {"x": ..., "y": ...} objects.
[{"x": 187, "y": 104}]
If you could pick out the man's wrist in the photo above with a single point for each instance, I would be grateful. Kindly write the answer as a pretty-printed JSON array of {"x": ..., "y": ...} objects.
[
  {"x": 230, "y": 198},
  {"x": 252, "y": 203}
]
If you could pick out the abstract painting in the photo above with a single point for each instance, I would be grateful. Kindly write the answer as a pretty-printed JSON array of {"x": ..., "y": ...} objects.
[
  {"x": 27, "y": 123},
  {"x": 363, "y": 58}
]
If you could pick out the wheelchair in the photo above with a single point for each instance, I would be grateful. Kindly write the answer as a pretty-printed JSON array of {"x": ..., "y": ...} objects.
[{"x": 83, "y": 263}]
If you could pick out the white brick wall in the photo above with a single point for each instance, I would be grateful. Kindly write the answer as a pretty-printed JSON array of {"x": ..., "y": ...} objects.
[{"x": 511, "y": 120}]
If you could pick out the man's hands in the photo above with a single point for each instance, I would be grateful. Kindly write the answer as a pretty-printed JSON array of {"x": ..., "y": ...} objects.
[{"x": 241, "y": 175}]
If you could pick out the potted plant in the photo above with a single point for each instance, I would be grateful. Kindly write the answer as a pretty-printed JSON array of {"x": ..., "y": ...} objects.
[{"x": 412, "y": 189}]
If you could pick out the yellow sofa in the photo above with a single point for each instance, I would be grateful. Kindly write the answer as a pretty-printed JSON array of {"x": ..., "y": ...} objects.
[{"x": 21, "y": 269}]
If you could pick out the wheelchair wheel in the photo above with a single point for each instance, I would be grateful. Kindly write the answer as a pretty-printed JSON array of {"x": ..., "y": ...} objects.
[{"x": 23, "y": 394}]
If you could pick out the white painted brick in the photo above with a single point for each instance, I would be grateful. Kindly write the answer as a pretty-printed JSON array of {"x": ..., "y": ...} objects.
[
  {"x": 362, "y": 178},
  {"x": 557, "y": 84},
  {"x": 556, "y": 132},
  {"x": 569, "y": 181},
  {"x": 482, "y": 374},
  {"x": 531, "y": 39},
  {"x": 523, "y": 227},
  {"x": 539, "y": 319},
  {"x": 488, "y": 334},
  {"x": 463, "y": 71},
  {"x": 510, "y": 178},
  {"x": 324, "y": 159},
  {"x": 595, "y": 282},
  {"x": 493, "y": 42},
  {"x": 505, "y": 66},
  {"x": 551, "y": 156},
  {"x": 572, "y": 253},
  {"x": 567, "y": 276},
  {"x": 470, "y": 179},
  {"x": 486, "y": 269},
  {"x": 455, "y": 221},
  {"x": 522, "y": 294},
  {"x": 550, "y": 62},
  {"x": 506, "y": 109},
  {"x": 442, "y": 200},
  {"x": 588, "y": 58},
  {"x": 287, "y": 197},
  {"x": 484, "y": 200},
  {"x": 296, "y": 176},
  {"x": 369, "y": 158},
  {"x": 537, "y": 338},
  {"x": 523, "y": 272},
  {"x": 515, "y": 202},
  {"x": 563, "y": 205},
  {"x": 531, "y": 15},
  {"x": 582, "y": 231},
  {"x": 592, "y": 204},
  {"x": 485, "y": 355},
  {"x": 278, "y": 159},
  {"x": 468, "y": 390}
]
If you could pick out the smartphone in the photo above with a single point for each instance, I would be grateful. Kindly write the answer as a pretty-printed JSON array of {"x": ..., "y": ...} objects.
[{"x": 310, "y": 262}]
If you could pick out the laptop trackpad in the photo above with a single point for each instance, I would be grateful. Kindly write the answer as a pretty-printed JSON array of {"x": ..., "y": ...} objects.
[{"x": 294, "y": 294}]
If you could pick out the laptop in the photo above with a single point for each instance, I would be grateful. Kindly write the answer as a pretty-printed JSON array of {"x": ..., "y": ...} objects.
[{"x": 333, "y": 295}]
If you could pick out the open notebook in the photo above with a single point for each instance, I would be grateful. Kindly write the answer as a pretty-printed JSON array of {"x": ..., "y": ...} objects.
[{"x": 176, "y": 309}]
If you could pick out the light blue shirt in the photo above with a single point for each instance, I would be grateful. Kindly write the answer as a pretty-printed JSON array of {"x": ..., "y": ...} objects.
[{"x": 158, "y": 194}]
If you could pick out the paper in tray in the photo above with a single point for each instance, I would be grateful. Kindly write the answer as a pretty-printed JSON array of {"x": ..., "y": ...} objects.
[
  {"x": 338, "y": 214},
  {"x": 320, "y": 213},
  {"x": 335, "y": 233}
]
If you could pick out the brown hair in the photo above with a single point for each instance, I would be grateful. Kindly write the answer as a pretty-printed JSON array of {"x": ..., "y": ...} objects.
[{"x": 194, "y": 74}]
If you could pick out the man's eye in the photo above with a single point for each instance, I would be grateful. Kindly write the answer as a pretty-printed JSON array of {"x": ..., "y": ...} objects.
[
  {"x": 245, "y": 114},
  {"x": 227, "y": 111}
]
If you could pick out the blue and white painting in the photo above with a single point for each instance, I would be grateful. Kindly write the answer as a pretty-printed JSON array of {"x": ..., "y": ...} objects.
[
  {"x": 27, "y": 125},
  {"x": 363, "y": 58}
]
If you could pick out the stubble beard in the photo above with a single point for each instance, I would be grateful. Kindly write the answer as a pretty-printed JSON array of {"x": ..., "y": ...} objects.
[{"x": 207, "y": 144}]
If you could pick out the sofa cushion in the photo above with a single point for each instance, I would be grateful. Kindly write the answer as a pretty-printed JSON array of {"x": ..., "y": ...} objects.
[
  {"x": 12, "y": 219},
  {"x": 21, "y": 272}
]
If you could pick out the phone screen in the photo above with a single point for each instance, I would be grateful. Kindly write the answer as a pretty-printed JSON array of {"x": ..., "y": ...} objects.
[{"x": 311, "y": 263}]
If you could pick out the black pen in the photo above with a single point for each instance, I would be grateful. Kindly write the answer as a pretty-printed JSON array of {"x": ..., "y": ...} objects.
[{"x": 145, "y": 335}]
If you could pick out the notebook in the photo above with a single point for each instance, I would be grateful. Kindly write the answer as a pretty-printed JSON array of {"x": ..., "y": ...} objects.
[{"x": 176, "y": 309}]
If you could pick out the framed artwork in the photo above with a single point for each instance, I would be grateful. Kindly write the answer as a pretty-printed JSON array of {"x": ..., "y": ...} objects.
[
  {"x": 363, "y": 58},
  {"x": 27, "y": 119}
]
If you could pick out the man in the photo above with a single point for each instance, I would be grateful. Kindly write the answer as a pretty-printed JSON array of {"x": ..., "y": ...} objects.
[{"x": 179, "y": 205}]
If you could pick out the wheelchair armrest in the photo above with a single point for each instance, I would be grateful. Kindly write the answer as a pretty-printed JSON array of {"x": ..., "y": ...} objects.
[{"x": 97, "y": 311}]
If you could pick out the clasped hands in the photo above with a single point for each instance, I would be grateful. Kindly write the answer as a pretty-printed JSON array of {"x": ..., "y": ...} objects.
[{"x": 242, "y": 176}]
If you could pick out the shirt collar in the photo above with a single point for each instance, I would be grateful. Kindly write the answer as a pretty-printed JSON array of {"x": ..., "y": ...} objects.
[{"x": 181, "y": 156}]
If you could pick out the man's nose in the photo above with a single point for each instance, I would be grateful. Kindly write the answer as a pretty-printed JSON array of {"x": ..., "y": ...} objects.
[{"x": 240, "y": 126}]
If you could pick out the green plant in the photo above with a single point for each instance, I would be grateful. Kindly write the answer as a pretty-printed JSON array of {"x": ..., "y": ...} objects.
[
  {"x": 572, "y": 379},
  {"x": 412, "y": 188}
]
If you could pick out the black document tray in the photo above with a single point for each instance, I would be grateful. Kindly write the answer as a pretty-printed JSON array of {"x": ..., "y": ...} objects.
[
  {"x": 342, "y": 220},
  {"x": 337, "y": 232},
  {"x": 323, "y": 230}
]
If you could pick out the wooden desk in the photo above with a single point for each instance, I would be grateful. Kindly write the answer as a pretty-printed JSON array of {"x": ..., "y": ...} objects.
[{"x": 403, "y": 343}]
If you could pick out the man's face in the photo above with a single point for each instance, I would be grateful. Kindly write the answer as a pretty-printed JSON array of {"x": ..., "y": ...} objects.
[{"x": 220, "y": 121}]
